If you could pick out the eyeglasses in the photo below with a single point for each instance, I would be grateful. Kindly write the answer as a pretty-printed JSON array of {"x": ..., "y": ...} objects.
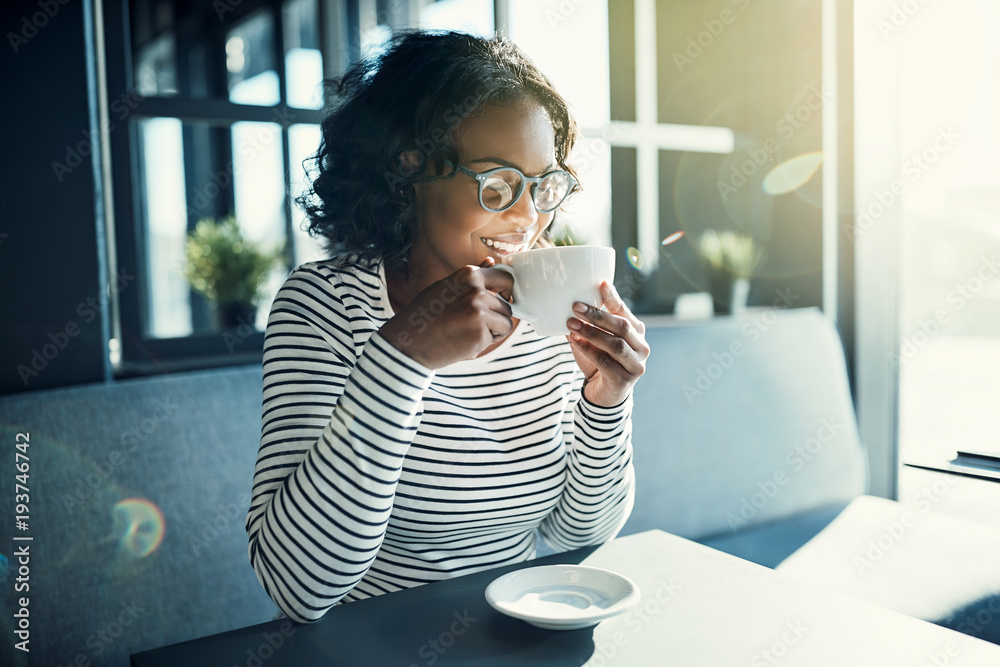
[{"x": 501, "y": 188}]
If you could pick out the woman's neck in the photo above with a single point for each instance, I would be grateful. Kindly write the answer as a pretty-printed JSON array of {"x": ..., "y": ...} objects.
[{"x": 404, "y": 284}]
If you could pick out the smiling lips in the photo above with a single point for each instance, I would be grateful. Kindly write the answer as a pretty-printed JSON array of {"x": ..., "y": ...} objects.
[{"x": 504, "y": 247}]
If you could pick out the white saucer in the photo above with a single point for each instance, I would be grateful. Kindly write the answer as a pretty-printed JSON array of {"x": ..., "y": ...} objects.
[{"x": 562, "y": 597}]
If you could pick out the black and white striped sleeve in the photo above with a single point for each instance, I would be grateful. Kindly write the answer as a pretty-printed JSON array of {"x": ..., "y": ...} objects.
[
  {"x": 336, "y": 426},
  {"x": 600, "y": 481}
]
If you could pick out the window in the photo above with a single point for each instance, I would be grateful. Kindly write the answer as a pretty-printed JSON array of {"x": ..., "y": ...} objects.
[
  {"x": 223, "y": 104},
  {"x": 949, "y": 307},
  {"x": 672, "y": 97}
]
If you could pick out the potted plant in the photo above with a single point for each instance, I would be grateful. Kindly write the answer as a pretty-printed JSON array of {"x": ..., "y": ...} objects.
[
  {"x": 733, "y": 258},
  {"x": 229, "y": 270}
]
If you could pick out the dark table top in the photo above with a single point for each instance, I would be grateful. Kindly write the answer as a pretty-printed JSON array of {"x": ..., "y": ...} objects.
[{"x": 699, "y": 607}]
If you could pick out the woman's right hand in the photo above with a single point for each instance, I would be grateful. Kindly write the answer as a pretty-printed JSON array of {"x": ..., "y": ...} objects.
[{"x": 453, "y": 319}]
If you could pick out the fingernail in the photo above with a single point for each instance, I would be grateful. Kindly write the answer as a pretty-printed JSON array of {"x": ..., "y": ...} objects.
[
  {"x": 580, "y": 307},
  {"x": 573, "y": 323}
]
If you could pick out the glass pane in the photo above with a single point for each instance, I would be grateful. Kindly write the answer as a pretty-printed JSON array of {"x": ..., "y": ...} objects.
[
  {"x": 156, "y": 67},
  {"x": 259, "y": 186},
  {"x": 183, "y": 184},
  {"x": 588, "y": 212},
  {"x": 250, "y": 61},
  {"x": 551, "y": 32},
  {"x": 471, "y": 16},
  {"x": 165, "y": 214},
  {"x": 949, "y": 191},
  {"x": 303, "y": 140},
  {"x": 303, "y": 60}
]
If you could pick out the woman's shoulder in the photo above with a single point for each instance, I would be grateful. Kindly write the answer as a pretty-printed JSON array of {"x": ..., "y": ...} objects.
[
  {"x": 337, "y": 287},
  {"x": 338, "y": 274}
]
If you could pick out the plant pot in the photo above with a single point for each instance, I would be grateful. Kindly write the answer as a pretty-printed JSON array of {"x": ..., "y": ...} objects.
[
  {"x": 729, "y": 294},
  {"x": 232, "y": 315}
]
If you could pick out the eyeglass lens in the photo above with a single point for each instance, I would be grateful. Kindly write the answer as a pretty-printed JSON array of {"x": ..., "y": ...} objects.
[{"x": 501, "y": 187}]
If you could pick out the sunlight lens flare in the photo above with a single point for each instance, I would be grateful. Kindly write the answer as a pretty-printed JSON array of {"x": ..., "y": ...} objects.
[
  {"x": 792, "y": 174},
  {"x": 138, "y": 525},
  {"x": 673, "y": 238},
  {"x": 634, "y": 258}
]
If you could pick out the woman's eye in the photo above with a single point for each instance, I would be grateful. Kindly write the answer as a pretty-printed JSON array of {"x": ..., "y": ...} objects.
[{"x": 497, "y": 187}]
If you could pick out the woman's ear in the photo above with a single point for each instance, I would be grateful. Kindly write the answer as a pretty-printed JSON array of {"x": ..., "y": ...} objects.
[{"x": 409, "y": 163}]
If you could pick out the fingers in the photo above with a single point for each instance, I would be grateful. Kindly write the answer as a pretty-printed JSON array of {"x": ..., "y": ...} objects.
[
  {"x": 616, "y": 306},
  {"x": 611, "y": 353},
  {"x": 612, "y": 338},
  {"x": 496, "y": 280},
  {"x": 499, "y": 323},
  {"x": 626, "y": 327}
]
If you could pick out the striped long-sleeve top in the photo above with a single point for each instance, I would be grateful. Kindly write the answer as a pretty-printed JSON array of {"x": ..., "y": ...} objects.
[{"x": 375, "y": 473}]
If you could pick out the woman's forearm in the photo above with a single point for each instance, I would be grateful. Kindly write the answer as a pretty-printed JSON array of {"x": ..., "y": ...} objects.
[
  {"x": 600, "y": 484},
  {"x": 324, "y": 488}
]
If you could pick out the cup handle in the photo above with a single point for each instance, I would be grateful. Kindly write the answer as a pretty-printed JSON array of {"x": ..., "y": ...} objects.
[{"x": 519, "y": 311}]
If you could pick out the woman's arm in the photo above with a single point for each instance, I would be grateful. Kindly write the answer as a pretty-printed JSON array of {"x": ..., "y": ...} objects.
[
  {"x": 335, "y": 429},
  {"x": 600, "y": 484}
]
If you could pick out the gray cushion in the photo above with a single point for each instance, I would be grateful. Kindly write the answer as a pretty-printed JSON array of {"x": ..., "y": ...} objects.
[
  {"x": 771, "y": 543},
  {"x": 741, "y": 421},
  {"x": 185, "y": 444},
  {"x": 910, "y": 558}
]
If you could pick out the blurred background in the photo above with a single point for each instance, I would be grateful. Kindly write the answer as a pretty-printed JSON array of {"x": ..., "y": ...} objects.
[{"x": 854, "y": 144}]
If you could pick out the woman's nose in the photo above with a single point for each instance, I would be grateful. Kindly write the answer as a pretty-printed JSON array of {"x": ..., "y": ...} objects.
[{"x": 524, "y": 210}]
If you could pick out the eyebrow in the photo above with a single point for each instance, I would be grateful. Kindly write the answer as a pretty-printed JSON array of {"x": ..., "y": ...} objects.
[{"x": 508, "y": 163}]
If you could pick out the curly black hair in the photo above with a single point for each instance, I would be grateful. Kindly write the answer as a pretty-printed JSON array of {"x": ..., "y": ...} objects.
[{"x": 410, "y": 98}]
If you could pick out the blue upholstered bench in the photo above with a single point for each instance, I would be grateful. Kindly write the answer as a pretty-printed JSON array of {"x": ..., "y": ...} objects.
[
  {"x": 744, "y": 432},
  {"x": 113, "y": 468},
  {"x": 139, "y": 491}
]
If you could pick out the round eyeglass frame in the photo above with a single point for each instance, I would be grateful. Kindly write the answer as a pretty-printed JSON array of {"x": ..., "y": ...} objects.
[{"x": 482, "y": 176}]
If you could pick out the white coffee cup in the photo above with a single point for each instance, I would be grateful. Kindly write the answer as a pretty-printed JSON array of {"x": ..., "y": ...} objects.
[{"x": 548, "y": 281}]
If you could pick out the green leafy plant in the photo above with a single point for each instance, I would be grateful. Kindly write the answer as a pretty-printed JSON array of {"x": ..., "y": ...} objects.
[
  {"x": 733, "y": 252},
  {"x": 562, "y": 234},
  {"x": 226, "y": 267}
]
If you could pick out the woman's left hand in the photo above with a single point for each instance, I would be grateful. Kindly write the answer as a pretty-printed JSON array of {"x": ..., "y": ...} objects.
[{"x": 610, "y": 348}]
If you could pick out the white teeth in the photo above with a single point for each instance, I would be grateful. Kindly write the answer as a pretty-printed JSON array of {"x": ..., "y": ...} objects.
[{"x": 502, "y": 245}]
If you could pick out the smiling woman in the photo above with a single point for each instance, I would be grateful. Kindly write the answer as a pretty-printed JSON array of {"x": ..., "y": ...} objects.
[{"x": 413, "y": 430}]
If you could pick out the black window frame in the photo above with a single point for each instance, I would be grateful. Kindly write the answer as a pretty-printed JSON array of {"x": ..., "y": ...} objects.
[{"x": 141, "y": 354}]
